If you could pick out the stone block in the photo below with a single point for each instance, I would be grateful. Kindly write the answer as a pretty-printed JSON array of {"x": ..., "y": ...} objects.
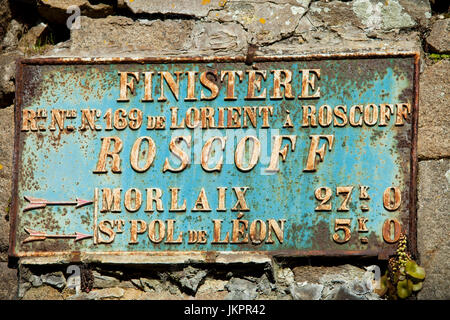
[
  {"x": 213, "y": 38},
  {"x": 189, "y": 278},
  {"x": 241, "y": 289},
  {"x": 433, "y": 228},
  {"x": 11, "y": 35},
  {"x": 196, "y": 9},
  {"x": 116, "y": 34},
  {"x": 266, "y": 22},
  {"x": 55, "y": 279},
  {"x": 6, "y": 153},
  {"x": 385, "y": 15},
  {"x": 8, "y": 282},
  {"x": 324, "y": 274},
  {"x": 434, "y": 123},
  {"x": 43, "y": 293},
  {"x": 306, "y": 291},
  {"x": 439, "y": 38},
  {"x": 7, "y": 77}
]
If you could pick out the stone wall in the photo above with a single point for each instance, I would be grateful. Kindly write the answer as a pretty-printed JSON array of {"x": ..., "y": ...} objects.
[{"x": 221, "y": 28}]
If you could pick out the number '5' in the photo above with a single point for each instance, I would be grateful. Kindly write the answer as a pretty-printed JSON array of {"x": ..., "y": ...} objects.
[{"x": 342, "y": 224}]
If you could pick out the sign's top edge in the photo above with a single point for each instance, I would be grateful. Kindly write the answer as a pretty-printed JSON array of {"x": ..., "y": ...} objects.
[{"x": 261, "y": 58}]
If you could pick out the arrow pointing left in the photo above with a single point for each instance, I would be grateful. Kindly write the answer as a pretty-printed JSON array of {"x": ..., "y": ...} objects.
[
  {"x": 39, "y": 235},
  {"x": 37, "y": 203}
]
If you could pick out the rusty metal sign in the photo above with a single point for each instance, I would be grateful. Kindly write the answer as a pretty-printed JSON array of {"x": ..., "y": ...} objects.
[{"x": 212, "y": 159}]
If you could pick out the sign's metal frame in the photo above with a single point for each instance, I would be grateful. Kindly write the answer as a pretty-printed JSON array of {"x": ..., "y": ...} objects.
[{"x": 204, "y": 256}]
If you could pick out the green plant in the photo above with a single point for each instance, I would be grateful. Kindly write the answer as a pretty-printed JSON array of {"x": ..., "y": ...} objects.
[
  {"x": 437, "y": 56},
  {"x": 41, "y": 45},
  {"x": 403, "y": 276}
]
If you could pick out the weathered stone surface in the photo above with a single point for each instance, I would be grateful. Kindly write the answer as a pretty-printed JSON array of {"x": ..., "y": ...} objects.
[
  {"x": 345, "y": 282},
  {"x": 42, "y": 293},
  {"x": 439, "y": 38},
  {"x": 326, "y": 41},
  {"x": 360, "y": 287},
  {"x": 241, "y": 289},
  {"x": 189, "y": 278},
  {"x": 132, "y": 294},
  {"x": 5, "y": 17},
  {"x": 56, "y": 10},
  {"x": 13, "y": 32},
  {"x": 211, "y": 285},
  {"x": 7, "y": 75},
  {"x": 35, "y": 37},
  {"x": 172, "y": 288},
  {"x": 357, "y": 289},
  {"x": 137, "y": 283},
  {"x": 343, "y": 293},
  {"x": 55, "y": 279},
  {"x": 119, "y": 35},
  {"x": 333, "y": 14},
  {"x": 306, "y": 291},
  {"x": 379, "y": 14},
  {"x": 123, "y": 34},
  {"x": 8, "y": 282},
  {"x": 6, "y": 151},
  {"x": 284, "y": 277},
  {"x": 104, "y": 281},
  {"x": 357, "y": 20},
  {"x": 35, "y": 281},
  {"x": 433, "y": 227},
  {"x": 218, "y": 39},
  {"x": 84, "y": 296},
  {"x": 212, "y": 295},
  {"x": 264, "y": 285},
  {"x": 109, "y": 293},
  {"x": 267, "y": 22},
  {"x": 198, "y": 8},
  {"x": 102, "y": 294},
  {"x": 22, "y": 289},
  {"x": 150, "y": 285},
  {"x": 434, "y": 97},
  {"x": 349, "y": 32},
  {"x": 162, "y": 296},
  {"x": 324, "y": 274},
  {"x": 419, "y": 10}
]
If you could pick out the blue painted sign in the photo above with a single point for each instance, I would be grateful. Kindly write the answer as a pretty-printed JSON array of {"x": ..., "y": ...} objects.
[{"x": 210, "y": 157}]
